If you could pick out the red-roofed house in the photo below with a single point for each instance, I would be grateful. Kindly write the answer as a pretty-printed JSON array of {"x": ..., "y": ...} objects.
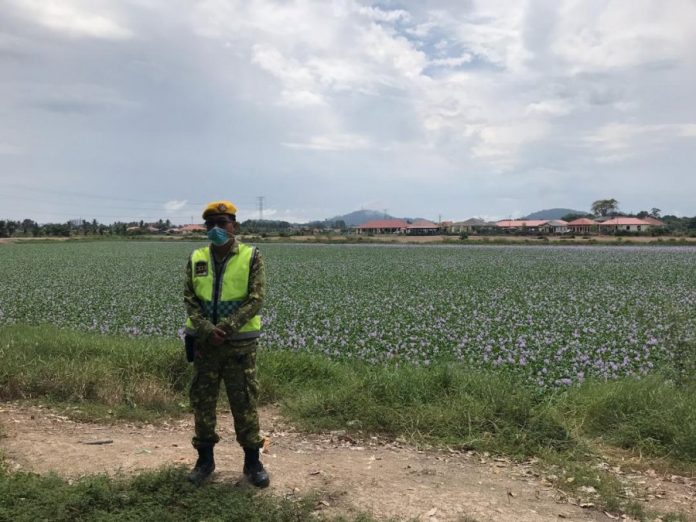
[
  {"x": 583, "y": 226},
  {"x": 423, "y": 227},
  {"x": 470, "y": 225},
  {"x": 383, "y": 226},
  {"x": 654, "y": 222},
  {"x": 190, "y": 229},
  {"x": 519, "y": 224},
  {"x": 555, "y": 226},
  {"x": 628, "y": 224},
  {"x": 398, "y": 226}
]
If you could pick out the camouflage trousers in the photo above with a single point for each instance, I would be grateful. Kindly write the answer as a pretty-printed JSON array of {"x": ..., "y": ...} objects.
[{"x": 235, "y": 366}]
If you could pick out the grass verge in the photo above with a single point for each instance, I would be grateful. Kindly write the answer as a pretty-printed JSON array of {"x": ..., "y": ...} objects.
[
  {"x": 446, "y": 403},
  {"x": 160, "y": 495},
  {"x": 100, "y": 377}
]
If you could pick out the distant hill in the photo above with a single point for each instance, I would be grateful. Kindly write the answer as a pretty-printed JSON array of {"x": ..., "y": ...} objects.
[
  {"x": 553, "y": 213},
  {"x": 360, "y": 216}
]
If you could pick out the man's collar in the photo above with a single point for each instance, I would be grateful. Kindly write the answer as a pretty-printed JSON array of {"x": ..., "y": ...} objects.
[{"x": 234, "y": 249}]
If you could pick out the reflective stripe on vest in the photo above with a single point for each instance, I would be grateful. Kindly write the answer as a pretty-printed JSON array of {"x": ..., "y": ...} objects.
[{"x": 220, "y": 298}]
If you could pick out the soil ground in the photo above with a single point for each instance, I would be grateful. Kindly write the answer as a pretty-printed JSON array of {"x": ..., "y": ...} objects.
[{"x": 383, "y": 478}]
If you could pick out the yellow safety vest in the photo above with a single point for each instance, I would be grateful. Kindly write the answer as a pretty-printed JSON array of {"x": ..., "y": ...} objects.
[{"x": 220, "y": 297}]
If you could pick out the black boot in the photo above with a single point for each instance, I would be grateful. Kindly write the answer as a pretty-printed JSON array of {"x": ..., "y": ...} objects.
[
  {"x": 253, "y": 469},
  {"x": 205, "y": 465}
]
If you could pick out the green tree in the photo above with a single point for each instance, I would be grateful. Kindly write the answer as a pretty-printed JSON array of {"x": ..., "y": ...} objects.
[
  {"x": 11, "y": 227},
  {"x": 605, "y": 207},
  {"x": 572, "y": 217},
  {"x": 27, "y": 225}
]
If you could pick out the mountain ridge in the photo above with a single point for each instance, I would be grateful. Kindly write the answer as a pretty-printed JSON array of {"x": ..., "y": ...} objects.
[{"x": 553, "y": 213}]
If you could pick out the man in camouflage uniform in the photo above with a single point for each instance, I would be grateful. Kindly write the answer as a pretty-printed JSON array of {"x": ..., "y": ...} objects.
[{"x": 226, "y": 336}]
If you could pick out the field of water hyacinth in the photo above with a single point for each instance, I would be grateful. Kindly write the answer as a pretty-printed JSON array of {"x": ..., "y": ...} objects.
[{"x": 554, "y": 315}]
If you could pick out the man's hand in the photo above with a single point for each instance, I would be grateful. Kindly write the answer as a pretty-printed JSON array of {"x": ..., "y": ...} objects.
[{"x": 218, "y": 336}]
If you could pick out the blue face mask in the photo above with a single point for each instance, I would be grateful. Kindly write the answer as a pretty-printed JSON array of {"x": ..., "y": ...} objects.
[{"x": 218, "y": 236}]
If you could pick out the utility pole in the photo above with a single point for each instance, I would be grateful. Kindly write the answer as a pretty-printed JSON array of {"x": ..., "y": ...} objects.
[{"x": 260, "y": 200}]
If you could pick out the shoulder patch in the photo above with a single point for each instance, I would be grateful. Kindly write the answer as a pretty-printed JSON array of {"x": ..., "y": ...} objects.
[{"x": 201, "y": 269}]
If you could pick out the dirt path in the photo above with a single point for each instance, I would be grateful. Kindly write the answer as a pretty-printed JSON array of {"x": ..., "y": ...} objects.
[{"x": 382, "y": 478}]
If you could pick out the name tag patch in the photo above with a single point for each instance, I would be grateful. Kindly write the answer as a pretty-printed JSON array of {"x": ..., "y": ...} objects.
[{"x": 201, "y": 269}]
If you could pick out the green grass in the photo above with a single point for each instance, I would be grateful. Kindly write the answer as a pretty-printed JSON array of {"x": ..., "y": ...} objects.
[
  {"x": 445, "y": 404},
  {"x": 143, "y": 378},
  {"x": 114, "y": 372},
  {"x": 128, "y": 378},
  {"x": 98, "y": 377},
  {"x": 160, "y": 495},
  {"x": 650, "y": 416}
]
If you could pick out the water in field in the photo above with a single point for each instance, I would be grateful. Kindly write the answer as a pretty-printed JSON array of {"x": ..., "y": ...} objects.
[{"x": 556, "y": 314}]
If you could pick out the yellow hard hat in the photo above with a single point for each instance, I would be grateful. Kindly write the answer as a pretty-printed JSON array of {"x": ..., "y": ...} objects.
[{"x": 219, "y": 207}]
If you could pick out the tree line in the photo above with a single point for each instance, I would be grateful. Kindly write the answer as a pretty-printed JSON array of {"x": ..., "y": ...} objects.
[
  {"x": 30, "y": 228},
  {"x": 610, "y": 208}
]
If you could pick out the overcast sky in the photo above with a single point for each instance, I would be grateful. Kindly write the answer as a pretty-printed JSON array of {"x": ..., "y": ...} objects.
[{"x": 139, "y": 109}]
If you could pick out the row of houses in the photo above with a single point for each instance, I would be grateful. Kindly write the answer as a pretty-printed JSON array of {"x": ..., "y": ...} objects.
[
  {"x": 580, "y": 226},
  {"x": 399, "y": 226},
  {"x": 583, "y": 225},
  {"x": 150, "y": 229}
]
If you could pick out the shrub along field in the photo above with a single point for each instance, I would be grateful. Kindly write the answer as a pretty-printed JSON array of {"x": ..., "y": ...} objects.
[{"x": 518, "y": 350}]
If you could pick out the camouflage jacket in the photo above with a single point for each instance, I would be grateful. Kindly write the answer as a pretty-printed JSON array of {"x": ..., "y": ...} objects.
[{"x": 233, "y": 322}]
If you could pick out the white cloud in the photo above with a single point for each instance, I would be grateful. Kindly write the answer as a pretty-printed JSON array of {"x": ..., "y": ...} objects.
[
  {"x": 475, "y": 94},
  {"x": 174, "y": 205},
  {"x": 489, "y": 29},
  {"x": 500, "y": 144},
  {"x": 549, "y": 107},
  {"x": 381, "y": 15},
  {"x": 337, "y": 142},
  {"x": 454, "y": 61},
  {"x": 9, "y": 149},
  {"x": 687, "y": 130},
  {"x": 74, "y": 17},
  {"x": 599, "y": 36},
  {"x": 619, "y": 141}
]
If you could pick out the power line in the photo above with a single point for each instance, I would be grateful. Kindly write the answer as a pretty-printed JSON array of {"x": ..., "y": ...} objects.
[{"x": 139, "y": 205}]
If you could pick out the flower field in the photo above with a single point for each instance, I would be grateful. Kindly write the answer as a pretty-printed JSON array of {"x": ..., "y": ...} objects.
[{"x": 556, "y": 315}]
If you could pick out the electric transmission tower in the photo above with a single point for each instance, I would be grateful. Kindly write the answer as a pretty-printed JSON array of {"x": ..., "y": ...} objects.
[{"x": 260, "y": 200}]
